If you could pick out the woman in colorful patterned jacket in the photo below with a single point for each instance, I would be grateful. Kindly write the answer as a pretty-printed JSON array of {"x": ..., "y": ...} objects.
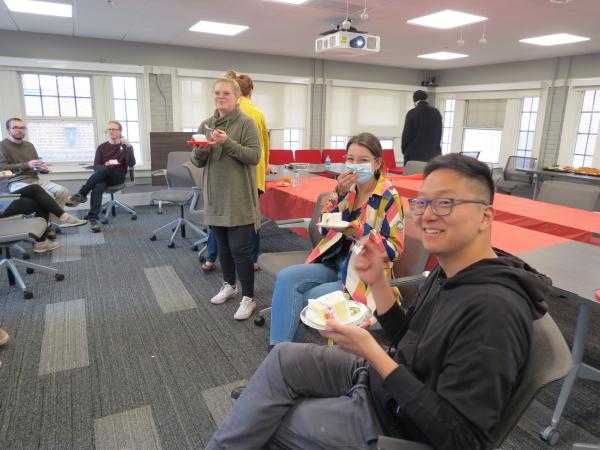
[{"x": 371, "y": 205}]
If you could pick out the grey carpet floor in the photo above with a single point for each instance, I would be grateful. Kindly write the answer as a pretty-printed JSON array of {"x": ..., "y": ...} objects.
[{"x": 128, "y": 352}]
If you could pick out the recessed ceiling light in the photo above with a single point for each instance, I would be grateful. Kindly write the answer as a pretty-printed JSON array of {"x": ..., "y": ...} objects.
[
  {"x": 37, "y": 7},
  {"x": 227, "y": 29},
  {"x": 289, "y": 2},
  {"x": 554, "y": 39},
  {"x": 446, "y": 19},
  {"x": 443, "y": 56}
]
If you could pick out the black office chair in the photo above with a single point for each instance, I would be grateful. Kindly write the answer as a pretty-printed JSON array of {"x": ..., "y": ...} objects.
[
  {"x": 471, "y": 154},
  {"x": 549, "y": 360},
  {"x": 513, "y": 180},
  {"x": 110, "y": 207}
]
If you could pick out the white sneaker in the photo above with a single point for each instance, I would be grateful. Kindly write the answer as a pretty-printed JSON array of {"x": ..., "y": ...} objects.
[
  {"x": 247, "y": 307},
  {"x": 45, "y": 246},
  {"x": 226, "y": 292},
  {"x": 71, "y": 221}
]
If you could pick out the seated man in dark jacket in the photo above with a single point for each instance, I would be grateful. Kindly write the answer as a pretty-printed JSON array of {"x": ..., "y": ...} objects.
[{"x": 461, "y": 348}]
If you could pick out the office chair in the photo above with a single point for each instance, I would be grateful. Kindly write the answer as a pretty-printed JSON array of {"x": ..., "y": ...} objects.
[
  {"x": 179, "y": 192},
  {"x": 17, "y": 230},
  {"x": 273, "y": 263},
  {"x": 512, "y": 180},
  {"x": 575, "y": 195},
  {"x": 471, "y": 154},
  {"x": 412, "y": 167},
  {"x": 549, "y": 360},
  {"x": 109, "y": 208}
]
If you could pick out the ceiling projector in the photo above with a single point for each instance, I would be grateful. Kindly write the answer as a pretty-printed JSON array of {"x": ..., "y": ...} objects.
[{"x": 350, "y": 43}]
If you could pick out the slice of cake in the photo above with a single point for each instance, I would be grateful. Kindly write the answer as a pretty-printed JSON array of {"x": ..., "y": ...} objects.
[
  {"x": 199, "y": 138},
  {"x": 331, "y": 218},
  {"x": 329, "y": 306}
]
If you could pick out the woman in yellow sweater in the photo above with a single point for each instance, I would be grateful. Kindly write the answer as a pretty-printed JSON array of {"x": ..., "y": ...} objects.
[{"x": 262, "y": 168}]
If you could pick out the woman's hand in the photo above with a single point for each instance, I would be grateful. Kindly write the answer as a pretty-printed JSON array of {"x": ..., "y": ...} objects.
[
  {"x": 345, "y": 181},
  {"x": 219, "y": 136},
  {"x": 351, "y": 338}
]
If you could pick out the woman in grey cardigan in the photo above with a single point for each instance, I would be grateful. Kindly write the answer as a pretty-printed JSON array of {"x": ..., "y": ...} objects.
[{"x": 230, "y": 197}]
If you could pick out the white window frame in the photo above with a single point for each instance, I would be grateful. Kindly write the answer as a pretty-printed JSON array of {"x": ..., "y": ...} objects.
[
  {"x": 594, "y": 112},
  {"x": 125, "y": 123},
  {"x": 292, "y": 144},
  {"x": 530, "y": 130},
  {"x": 448, "y": 124},
  {"x": 338, "y": 142}
]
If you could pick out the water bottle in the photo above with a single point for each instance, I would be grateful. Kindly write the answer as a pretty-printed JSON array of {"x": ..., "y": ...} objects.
[
  {"x": 327, "y": 162},
  {"x": 295, "y": 179}
]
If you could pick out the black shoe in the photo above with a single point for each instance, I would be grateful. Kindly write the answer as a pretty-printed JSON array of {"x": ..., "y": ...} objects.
[
  {"x": 75, "y": 200},
  {"x": 50, "y": 233},
  {"x": 95, "y": 226},
  {"x": 235, "y": 394}
]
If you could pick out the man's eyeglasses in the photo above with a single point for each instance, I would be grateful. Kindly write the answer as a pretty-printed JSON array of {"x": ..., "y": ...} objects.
[
  {"x": 18, "y": 128},
  {"x": 440, "y": 206},
  {"x": 112, "y": 129}
]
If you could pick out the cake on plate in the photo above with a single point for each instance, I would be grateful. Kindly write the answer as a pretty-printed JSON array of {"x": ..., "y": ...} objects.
[
  {"x": 331, "y": 218},
  {"x": 199, "y": 138},
  {"x": 328, "y": 306}
]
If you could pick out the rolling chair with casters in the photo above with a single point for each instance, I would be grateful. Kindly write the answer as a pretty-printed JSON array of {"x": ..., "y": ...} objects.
[
  {"x": 196, "y": 210},
  {"x": 575, "y": 195},
  {"x": 111, "y": 206},
  {"x": 180, "y": 182},
  {"x": 18, "y": 230},
  {"x": 513, "y": 180},
  {"x": 474, "y": 155},
  {"x": 549, "y": 360},
  {"x": 412, "y": 167},
  {"x": 273, "y": 263}
]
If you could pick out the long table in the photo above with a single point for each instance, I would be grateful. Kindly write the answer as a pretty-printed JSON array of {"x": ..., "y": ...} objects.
[
  {"x": 540, "y": 174},
  {"x": 570, "y": 223}
]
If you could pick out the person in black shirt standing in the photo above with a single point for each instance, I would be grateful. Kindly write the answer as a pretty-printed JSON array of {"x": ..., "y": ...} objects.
[{"x": 422, "y": 135}]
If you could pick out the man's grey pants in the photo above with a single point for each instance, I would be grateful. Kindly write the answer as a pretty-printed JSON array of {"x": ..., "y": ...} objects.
[{"x": 304, "y": 397}]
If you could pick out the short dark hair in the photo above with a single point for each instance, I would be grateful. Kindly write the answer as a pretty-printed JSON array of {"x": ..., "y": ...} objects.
[
  {"x": 117, "y": 123},
  {"x": 471, "y": 168},
  {"x": 371, "y": 143},
  {"x": 419, "y": 95},
  {"x": 11, "y": 120}
]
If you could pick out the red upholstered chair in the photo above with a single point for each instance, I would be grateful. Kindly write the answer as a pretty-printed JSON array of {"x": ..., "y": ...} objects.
[
  {"x": 280, "y": 157},
  {"x": 335, "y": 155},
  {"x": 389, "y": 160},
  {"x": 307, "y": 156}
]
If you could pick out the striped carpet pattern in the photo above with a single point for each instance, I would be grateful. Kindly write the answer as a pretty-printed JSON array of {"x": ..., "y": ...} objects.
[{"x": 128, "y": 352}]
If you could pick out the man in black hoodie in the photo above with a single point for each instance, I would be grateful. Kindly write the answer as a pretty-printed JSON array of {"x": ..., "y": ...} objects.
[{"x": 460, "y": 350}]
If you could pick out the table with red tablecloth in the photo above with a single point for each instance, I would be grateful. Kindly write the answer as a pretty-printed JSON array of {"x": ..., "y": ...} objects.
[{"x": 558, "y": 220}]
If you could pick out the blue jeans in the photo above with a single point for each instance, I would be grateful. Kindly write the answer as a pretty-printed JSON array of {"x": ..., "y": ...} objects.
[
  {"x": 212, "y": 252},
  {"x": 293, "y": 287}
]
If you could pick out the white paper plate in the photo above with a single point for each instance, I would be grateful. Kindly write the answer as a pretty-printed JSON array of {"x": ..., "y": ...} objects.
[
  {"x": 338, "y": 226},
  {"x": 358, "y": 318}
]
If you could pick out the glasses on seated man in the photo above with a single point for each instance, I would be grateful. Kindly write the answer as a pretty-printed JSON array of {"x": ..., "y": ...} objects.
[{"x": 440, "y": 206}]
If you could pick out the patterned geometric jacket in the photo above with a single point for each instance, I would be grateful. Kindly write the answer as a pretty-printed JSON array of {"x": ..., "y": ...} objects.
[{"x": 382, "y": 215}]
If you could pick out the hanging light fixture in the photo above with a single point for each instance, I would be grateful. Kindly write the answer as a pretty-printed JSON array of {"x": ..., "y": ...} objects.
[
  {"x": 483, "y": 39},
  {"x": 364, "y": 15},
  {"x": 347, "y": 23},
  {"x": 460, "y": 42}
]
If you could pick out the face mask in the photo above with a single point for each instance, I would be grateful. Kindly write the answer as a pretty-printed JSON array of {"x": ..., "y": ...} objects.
[{"x": 364, "y": 171}]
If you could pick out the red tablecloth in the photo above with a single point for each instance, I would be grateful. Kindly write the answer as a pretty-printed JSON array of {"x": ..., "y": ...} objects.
[{"x": 558, "y": 220}]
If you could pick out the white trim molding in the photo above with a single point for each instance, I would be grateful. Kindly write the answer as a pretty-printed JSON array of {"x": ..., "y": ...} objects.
[
  {"x": 375, "y": 85},
  {"x": 12, "y": 63},
  {"x": 523, "y": 85},
  {"x": 213, "y": 74}
]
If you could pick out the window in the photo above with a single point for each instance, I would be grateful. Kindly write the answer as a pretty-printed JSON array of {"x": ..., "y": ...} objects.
[
  {"x": 448, "y": 121},
  {"x": 292, "y": 139},
  {"x": 484, "y": 124},
  {"x": 587, "y": 132},
  {"x": 527, "y": 127},
  {"x": 125, "y": 97},
  {"x": 59, "y": 114},
  {"x": 486, "y": 141},
  {"x": 387, "y": 143},
  {"x": 338, "y": 142}
]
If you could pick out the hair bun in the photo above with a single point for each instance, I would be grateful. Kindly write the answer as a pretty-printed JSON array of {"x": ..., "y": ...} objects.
[{"x": 231, "y": 74}]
